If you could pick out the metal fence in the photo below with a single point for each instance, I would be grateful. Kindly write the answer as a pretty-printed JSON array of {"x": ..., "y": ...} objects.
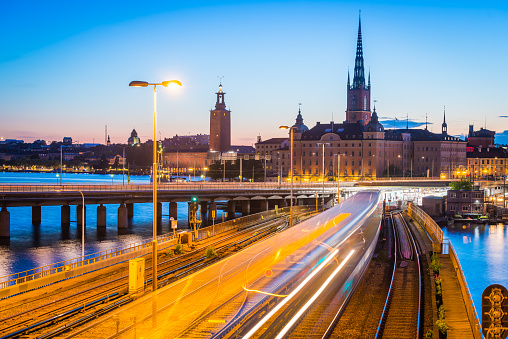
[
  {"x": 85, "y": 263},
  {"x": 434, "y": 231},
  {"x": 466, "y": 294}
]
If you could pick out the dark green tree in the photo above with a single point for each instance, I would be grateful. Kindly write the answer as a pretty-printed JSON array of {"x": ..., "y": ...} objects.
[{"x": 463, "y": 184}]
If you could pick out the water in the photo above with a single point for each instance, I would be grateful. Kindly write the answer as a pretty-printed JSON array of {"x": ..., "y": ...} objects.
[
  {"x": 482, "y": 251},
  {"x": 32, "y": 246}
]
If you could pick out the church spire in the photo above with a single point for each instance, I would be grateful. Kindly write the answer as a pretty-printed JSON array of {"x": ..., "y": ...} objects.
[
  {"x": 348, "y": 82},
  {"x": 444, "y": 126},
  {"x": 359, "y": 74}
]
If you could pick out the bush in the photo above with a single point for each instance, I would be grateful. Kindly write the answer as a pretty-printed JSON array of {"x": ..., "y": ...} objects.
[
  {"x": 210, "y": 252},
  {"x": 442, "y": 326},
  {"x": 441, "y": 313},
  {"x": 169, "y": 253},
  {"x": 435, "y": 265},
  {"x": 178, "y": 249},
  {"x": 429, "y": 334}
]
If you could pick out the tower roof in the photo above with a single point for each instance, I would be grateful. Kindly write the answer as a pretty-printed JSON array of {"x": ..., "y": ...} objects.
[
  {"x": 359, "y": 74},
  {"x": 300, "y": 127}
]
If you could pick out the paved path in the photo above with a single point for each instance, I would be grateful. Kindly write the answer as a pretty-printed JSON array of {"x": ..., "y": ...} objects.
[{"x": 455, "y": 309}]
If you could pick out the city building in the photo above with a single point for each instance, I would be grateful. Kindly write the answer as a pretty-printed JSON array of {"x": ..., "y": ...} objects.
[
  {"x": 220, "y": 125},
  {"x": 67, "y": 141},
  {"x": 483, "y": 138},
  {"x": 465, "y": 203},
  {"x": 361, "y": 148},
  {"x": 485, "y": 163},
  {"x": 183, "y": 141},
  {"x": 133, "y": 139}
]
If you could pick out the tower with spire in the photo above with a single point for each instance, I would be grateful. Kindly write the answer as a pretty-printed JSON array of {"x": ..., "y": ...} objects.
[
  {"x": 220, "y": 125},
  {"x": 444, "y": 126},
  {"x": 358, "y": 94}
]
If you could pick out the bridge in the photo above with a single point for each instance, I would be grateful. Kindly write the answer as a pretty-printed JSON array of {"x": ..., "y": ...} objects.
[{"x": 246, "y": 197}]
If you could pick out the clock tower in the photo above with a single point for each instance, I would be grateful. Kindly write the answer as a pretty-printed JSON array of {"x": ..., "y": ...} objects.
[{"x": 358, "y": 94}]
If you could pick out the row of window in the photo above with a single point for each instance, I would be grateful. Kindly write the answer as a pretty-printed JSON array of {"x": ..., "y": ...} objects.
[{"x": 467, "y": 208}]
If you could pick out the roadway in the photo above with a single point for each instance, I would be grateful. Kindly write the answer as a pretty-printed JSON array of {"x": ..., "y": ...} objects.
[{"x": 274, "y": 278}]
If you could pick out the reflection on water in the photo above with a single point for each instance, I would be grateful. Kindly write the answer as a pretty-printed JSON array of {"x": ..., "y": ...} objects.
[
  {"x": 482, "y": 253},
  {"x": 32, "y": 246}
]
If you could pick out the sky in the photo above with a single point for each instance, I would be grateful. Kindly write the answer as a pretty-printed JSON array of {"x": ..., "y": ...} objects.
[{"x": 65, "y": 66}]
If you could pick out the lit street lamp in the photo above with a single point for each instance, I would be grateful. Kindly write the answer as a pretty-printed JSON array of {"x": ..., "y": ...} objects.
[
  {"x": 291, "y": 132},
  {"x": 154, "y": 169}
]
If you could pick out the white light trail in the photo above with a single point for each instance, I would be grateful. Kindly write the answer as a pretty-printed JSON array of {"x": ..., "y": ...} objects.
[
  {"x": 290, "y": 296},
  {"x": 314, "y": 297}
]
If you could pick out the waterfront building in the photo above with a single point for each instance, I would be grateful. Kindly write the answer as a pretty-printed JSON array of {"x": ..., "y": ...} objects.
[
  {"x": 67, "y": 141},
  {"x": 361, "y": 148},
  {"x": 220, "y": 125},
  {"x": 483, "y": 138},
  {"x": 133, "y": 139},
  {"x": 486, "y": 163},
  {"x": 276, "y": 153},
  {"x": 470, "y": 203}
]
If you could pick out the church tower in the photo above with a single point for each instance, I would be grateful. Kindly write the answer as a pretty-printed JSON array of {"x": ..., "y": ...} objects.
[
  {"x": 444, "y": 126},
  {"x": 220, "y": 125},
  {"x": 358, "y": 94}
]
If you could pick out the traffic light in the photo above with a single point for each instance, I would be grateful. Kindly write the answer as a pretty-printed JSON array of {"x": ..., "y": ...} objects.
[
  {"x": 194, "y": 199},
  {"x": 495, "y": 312},
  {"x": 194, "y": 204}
]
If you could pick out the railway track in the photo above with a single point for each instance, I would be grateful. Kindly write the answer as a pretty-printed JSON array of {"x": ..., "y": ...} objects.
[
  {"x": 402, "y": 311},
  {"x": 49, "y": 319}
]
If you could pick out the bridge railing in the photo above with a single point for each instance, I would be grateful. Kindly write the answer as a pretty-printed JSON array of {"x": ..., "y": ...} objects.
[
  {"x": 466, "y": 294},
  {"x": 434, "y": 231},
  {"x": 185, "y": 186},
  {"x": 86, "y": 263}
]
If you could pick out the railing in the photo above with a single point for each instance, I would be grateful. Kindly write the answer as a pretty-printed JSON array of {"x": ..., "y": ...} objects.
[
  {"x": 177, "y": 186},
  {"x": 435, "y": 232},
  {"x": 80, "y": 262},
  {"x": 466, "y": 294}
]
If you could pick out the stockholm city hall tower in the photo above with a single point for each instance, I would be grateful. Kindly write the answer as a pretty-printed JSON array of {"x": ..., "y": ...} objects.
[{"x": 358, "y": 94}]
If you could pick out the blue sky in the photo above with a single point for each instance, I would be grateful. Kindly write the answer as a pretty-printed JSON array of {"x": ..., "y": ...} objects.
[{"x": 65, "y": 65}]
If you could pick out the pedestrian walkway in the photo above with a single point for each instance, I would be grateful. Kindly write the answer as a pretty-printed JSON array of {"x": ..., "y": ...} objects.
[{"x": 455, "y": 309}]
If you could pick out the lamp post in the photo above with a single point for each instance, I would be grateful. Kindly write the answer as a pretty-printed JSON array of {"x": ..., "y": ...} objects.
[
  {"x": 338, "y": 176},
  {"x": 323, "y": 172},
  {"x": 291, "y": 132},
  {"x": 154, "y": 169}
]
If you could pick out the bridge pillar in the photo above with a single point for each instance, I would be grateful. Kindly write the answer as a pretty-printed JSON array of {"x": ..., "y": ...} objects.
[
  {"x": 245, "y": 207},
  {"x": 5, "y": 222},
  {"x": 36, "y": 215},
  {"x": 101, "y": 216},
  {"x": 122, "y": 216},
  {"x": 263, "y": 205},
  {"x": 79, "y": 210},
  {"x": 130, "y": 210},
  {"x": 212, "y": 207},
  {"x": 203, "y": 207},
  {"x": 65, "y": 217},
  {"x": 173, "y": 210},
  {"x": 231, "y": 209},
  {"x": 159, "y": 210}
]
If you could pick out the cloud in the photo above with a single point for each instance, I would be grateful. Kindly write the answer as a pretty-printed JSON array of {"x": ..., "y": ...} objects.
[
  {"x": 503, "y": 116},
  {"x": 395, "y": 123},
  {"x": 502, "y": 138}
]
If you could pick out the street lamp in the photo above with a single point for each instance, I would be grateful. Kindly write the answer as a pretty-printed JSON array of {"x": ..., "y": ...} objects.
[
  {"x": 338, "y": 175},
  {"x": 323, "y": 174},
  {"x": 154, "y": 169},
  {"x": 291, "y": 132}
]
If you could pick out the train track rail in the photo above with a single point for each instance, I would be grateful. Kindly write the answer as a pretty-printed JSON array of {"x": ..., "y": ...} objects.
[
  {"x": 52, "y": 318},
  {"x": 402, "y": 311}
]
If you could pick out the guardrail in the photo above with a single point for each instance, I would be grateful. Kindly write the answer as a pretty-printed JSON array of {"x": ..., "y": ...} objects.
[
  {"x": 434, "y": 231},
  {"x": 466, "y": 294},
  {"x": 177, "y": 186},
  {"x": 87, "y": 263}
]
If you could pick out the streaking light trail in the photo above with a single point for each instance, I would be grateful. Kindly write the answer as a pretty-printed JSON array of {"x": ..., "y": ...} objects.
[
  {"x": 314, "y": 297},
  {"x": 290, "y": 296}
]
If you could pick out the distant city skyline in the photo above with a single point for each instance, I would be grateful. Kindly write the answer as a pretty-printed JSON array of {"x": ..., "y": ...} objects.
[{"x": 66, "y": 67}]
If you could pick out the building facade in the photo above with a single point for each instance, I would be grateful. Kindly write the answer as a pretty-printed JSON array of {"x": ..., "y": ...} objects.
[{"x": 465, "y": 203}]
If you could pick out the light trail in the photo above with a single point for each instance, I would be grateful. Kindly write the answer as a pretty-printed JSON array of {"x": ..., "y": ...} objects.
[
  {"x": 267, "y": 293},
  {"x": 290, "y": 296},
  {"x": 314, "y": 297}
]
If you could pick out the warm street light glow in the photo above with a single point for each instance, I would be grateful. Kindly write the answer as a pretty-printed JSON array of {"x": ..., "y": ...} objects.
[{"x": 154, "y": 169}]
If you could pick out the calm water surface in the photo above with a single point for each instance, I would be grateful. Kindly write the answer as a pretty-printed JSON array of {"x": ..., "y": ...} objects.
[
  {"x": 32, "y": 246},
  {"x": 482, "y": 251}
]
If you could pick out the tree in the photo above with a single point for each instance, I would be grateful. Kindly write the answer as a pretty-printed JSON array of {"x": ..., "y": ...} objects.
[{"x": 463, "y": 184}]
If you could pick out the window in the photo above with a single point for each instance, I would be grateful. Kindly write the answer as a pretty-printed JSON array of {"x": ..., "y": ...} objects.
[
  {"x": 464, "y": 195},
  {"x": 464, "y": 208},
  {"x": 353, "y": 153},
  {"x": 370, "y": 163},
  {"x": 317, "y": 163},
  {"x": 352, "y": 162},
  {"x": 370, "y": 153},
  {"x": 453, "y": 208},
  {"x": 303, "y": 154}
]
